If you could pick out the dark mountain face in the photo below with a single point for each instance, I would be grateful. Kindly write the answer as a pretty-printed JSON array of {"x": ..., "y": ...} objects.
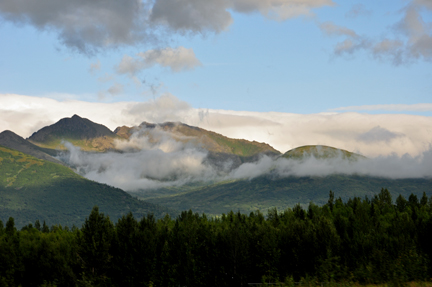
[
  {"x": 79, "y": 131},
  {"x": 72, "y": 128},
  {"x": 12, "y": 140}
]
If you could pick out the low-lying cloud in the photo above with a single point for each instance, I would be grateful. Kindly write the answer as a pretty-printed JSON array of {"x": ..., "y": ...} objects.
[
  {"x": 392, "y": 166},
  {"x": 357, "y": 132},
  {"x": 142, "y": 164},
  {"x": 152, "y": 159}
]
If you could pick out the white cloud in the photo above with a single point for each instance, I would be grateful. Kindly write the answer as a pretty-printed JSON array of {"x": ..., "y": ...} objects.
[
  {"x": 391, "y": 166},
  {"x": 412, "y": 38},
  {"x": 399, "y": 145},
  {"x": 425, "y": 107},
  {"x": 151, "y": 165},
  {"x": 176, "y": 59},
  {"x": 351, "y": 44},
  {"x": 378, "y": 134},
  {"x": 25, "y": 115}
]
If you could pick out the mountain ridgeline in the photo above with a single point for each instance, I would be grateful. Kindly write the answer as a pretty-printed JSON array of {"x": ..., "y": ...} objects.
[
  {"x": 34, "y": 184},
  {"x": 89, "y": 136},
  {"x": 12, "y": 140},
  {"x": 205, "y": 139},
  {"x": 321, "y": 152}
]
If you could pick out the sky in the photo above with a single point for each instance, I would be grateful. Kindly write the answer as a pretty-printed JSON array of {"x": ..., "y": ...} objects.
[{"x": 351, "y": 74}]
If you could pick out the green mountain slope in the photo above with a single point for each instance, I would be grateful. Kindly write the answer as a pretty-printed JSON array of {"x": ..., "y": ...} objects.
[
  {"x": 266, "y": 192},
  {"x": 81, "y": 132},
  {"x": 205, "y": 139},
  {"x": 32, "y": 189},
  {"x": 320, "y": 152},
  {"x": 13, "y": 141}
]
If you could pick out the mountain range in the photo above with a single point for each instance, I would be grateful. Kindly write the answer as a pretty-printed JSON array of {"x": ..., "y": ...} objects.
[{"x": 36, "y": 184}]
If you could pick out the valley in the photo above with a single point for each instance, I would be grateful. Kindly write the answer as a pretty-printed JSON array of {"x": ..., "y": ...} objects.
[{"x": 169, "y": 167}]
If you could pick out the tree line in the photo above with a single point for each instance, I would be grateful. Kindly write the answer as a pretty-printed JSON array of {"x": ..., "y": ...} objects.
[{"x": 361, "y": 240}]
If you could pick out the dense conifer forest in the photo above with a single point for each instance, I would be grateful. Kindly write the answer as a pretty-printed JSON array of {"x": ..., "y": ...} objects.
[{"x": 373, "y": 240}]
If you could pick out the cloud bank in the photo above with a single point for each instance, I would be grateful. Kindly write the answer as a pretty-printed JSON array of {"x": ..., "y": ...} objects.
[
  {"x": 146, "y": 164},
  {"x": 425, "y": 107},
  {"x": 398, "y": 146},
  {"x": 369, "y": 135}
]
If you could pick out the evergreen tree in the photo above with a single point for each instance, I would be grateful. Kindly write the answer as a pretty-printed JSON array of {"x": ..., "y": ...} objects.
[{"x": 94, "y": 243}]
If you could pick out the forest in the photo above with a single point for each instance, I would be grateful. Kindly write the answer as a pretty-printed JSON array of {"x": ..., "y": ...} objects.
[{"x": 362, "y": 240}]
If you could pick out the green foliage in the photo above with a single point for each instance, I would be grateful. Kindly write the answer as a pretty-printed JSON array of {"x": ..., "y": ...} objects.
[
  {"x": 32, "y": 189},
  {"x": 94, "y": 243},
  {"x": 270, "y": 191},
  {"x": 321, "y": 152},
  {"x": 367, "y": 241}
]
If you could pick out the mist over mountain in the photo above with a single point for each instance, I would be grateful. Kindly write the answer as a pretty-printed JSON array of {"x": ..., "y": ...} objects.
[
  {"x": 34, "y": 189},
  {"x": 172, "y": 163},
  {"x": 152, "y": 156}
]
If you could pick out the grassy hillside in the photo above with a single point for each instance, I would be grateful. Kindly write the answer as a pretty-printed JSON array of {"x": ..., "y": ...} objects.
[
  {"x": 320, "y": 152},
  {"x": 266, "y": 192},
  {"x": 211, "y": 141},
  {"x": 13, "y": 141},
  {"x": 79, "y": 131},
  {"x": 32, "y": 189}
]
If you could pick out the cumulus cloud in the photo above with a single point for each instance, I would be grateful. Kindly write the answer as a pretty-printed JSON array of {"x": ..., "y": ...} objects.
[
  {"x": 192, "y": 15},
  {"x": 176, "y": 59},
  {"x": 84, "y": 25},
  {"x": 412, "y": 38},
  {"x": 88, "y": 26},
  {"x": 284, "y": 131},
  {"x": 197, "y": 16},
  {"x": 279, "y": 9}
]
